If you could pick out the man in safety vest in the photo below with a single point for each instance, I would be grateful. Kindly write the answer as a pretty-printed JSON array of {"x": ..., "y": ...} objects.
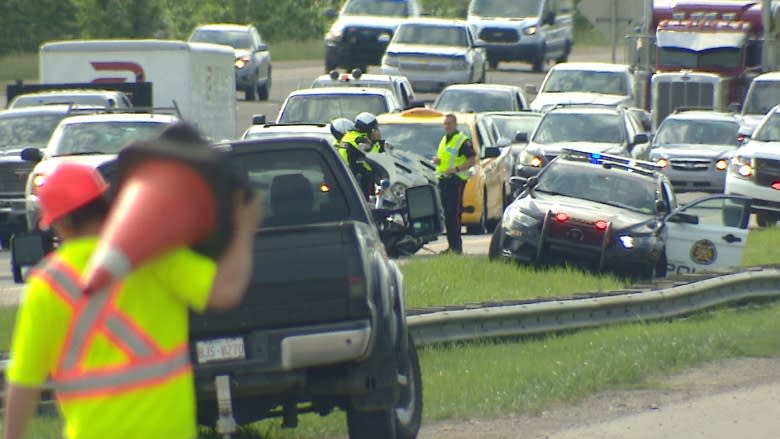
[
  {"x": 118, "y": 360},
  {"x": 364, "y": 138},
  {"x": 453, "y": 159}
]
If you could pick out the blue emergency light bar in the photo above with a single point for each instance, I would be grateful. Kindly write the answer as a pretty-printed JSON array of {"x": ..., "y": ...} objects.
[{"x": 598, "y": 158}]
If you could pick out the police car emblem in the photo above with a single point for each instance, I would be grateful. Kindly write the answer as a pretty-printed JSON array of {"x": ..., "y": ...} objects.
[{"x": 704, "y": 252}]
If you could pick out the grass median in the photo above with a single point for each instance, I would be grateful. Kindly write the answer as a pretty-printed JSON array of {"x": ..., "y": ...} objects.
[{"x": 520, "y": 376}]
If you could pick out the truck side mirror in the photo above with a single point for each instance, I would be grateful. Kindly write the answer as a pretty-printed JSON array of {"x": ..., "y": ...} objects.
[
  {"x": 640, "y": 139},
  {"x": 549, "y": 18},
  {"x": 31, "y": 155},
  {"x": 331, "y": 13},
  {"x": 424, "y": 210},
  {"x": 258, "y": 119}
]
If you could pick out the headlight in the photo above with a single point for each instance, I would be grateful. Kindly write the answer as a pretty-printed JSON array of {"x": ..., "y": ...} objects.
[
  {"x": 662, "y": 163},
  {"x": 398, "y": 191},
  {"x": 742, "y": 167},
  {"x": 334, "y": 35},
  {"x": 241, "y": 62},
  {"x": 460, "y": 64},
  {"x": 515, "y": 222},
  {"x": 37, "y": 182},
  {"x": 391, "y": 60},
  {"x": 530, "y": 30},
  {"x": 721, "y": 165},
  {"x": 528, "y": 158},
  {"x": 633, "y": 241}
]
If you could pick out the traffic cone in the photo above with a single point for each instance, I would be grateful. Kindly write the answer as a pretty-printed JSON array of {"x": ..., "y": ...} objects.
[{"x": 172, "y": 192}]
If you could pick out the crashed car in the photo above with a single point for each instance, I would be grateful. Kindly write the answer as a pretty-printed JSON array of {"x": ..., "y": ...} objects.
[{"x": 609, "y": 213}]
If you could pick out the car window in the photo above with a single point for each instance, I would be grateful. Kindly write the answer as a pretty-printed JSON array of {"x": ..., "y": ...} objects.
[
  {"x": 324, "y": 108},
  {"x": 561, "y": 81},
  {"x": 296, "y": 187},
  {"x": 509, "y": 126},
  {"x": 431, "y": 35},
  {"x": 101, "y": 137},
  {"x": 27, "y": 130},
  {"x": 580, "y": 127},
  {"x": 422, "y": 138},
  {"x": 377, "y": 7},
  {"x": 769, "y": 129},
  {"x": 762, "y": 97},
  {"x": 718, "y": 212},
  {"x": 699, "y": 132},
  {"x": 235, "y": 39},
  {"x": 474, "y": 101}
]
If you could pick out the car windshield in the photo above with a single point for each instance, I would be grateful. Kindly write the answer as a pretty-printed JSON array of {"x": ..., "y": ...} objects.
[
  {"x": 560, "y": 81},
  {"x": 327, "y": 82},
  {"x": 699, "y": 132},
  {"x": 505, "y": 8},
  {"x": 420, "y": 138},
  {"x": 102, "y": 137},
  {"x": 384, "y": 8},
  {"x": 722, "y": 58},
  {"x": 769, "y": 130},
  {"x": 509, "y": 126},
  {"x": 324, "y": 108},
  {"x": 579, "y": 127},
  {"x": 431, "y": 35},
  {"x": 763, "y": 96},
  {"x": 27, "y": 130},
  {"x": 237, "y": 39},
  {"x": 598, "y": 185},
  {"x": 474, "y": 101}
]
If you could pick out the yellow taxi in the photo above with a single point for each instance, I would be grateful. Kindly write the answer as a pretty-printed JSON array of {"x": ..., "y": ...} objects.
[{"x": 420, "y": 130}]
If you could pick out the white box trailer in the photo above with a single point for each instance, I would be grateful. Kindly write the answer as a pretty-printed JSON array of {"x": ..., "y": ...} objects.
[{"x": 199, "y": 77}]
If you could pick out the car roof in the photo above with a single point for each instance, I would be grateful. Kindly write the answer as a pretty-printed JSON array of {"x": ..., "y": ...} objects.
[
  {"x": 291, "y": 127},
  {"x": 583, "y": 108},
  {"x": 769, "y": 76},
  {"x": 341, "y": 91},
  {"x": 42, "y": 109},
  {"x": 74, "y": 92},
  {"x": 480, "y": 87},
  {"x": 435, "y": 21},
  {"x": 592, "y": 66},
  {"x": 537, "y": 114},
  {"x": 704, "y": 115},
  {"x": 224, "y": 26},
  {"x": 119, "y": 117}
]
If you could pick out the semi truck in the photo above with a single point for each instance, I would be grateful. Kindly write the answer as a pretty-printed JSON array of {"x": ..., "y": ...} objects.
[{"x": 702, "y": 53}]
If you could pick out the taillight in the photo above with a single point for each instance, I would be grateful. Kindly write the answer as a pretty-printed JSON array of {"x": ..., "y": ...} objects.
[
  {"x": 600, "y": 225},
  {"x": 561, "y": 217}
]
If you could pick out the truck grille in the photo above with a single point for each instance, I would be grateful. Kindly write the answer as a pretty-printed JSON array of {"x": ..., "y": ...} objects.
[
  {"x": 13, "y": 177},
  {"x": 679, "y": 94},
  {"x": 499, "y": 35},
  {"x": 690, "y": 164},
  {"x": 425, "y": 63},
  {"x": 767, "y": 171}
]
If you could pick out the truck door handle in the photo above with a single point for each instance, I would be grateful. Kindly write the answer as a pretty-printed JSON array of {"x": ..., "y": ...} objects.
[{"x": 731, "y": 238}]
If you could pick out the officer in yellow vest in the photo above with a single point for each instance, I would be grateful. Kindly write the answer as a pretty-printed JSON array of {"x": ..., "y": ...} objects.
[
  {"x": 454, "y": 158},
  {"x": 364, "y": 138},
  {"x": 119, "y": 359}
]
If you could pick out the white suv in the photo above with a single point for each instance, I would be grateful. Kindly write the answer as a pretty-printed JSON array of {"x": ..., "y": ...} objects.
[{"x": 754, "y": 170}]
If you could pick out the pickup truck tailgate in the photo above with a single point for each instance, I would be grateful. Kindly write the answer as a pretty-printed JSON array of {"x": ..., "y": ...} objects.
[{"x": 302, "y": 275}]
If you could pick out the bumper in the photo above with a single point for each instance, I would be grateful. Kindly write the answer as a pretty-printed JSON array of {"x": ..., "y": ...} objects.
[
  {"x": 689, "y": 181},
  {"x": 348, "y": 55},
  {"x": 765, "y": 199},
  {"x": 430, "y": 80},
  {"x": 245, "y": 77},
  {"x": 520, "y": 51}
]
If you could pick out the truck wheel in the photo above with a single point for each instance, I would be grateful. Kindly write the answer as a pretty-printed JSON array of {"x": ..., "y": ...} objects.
[
  {"x": 766, "y": 220},
  {"x": 566, "y": 51},
  {"x": 496, "y": 244},
  {"x": 378, "y": 424},
  {"x": 540, "y": 61},
  {"x": 408, "y": 410},
  {"x": 481, "y": 228},
  {"x": 250, "y": 94},
  {"x": 493, "y": 64},
  {"x": 264, "y": 90}
]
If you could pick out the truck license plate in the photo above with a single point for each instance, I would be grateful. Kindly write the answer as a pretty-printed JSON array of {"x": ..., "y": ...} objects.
[{"x": 220, "y": 349}]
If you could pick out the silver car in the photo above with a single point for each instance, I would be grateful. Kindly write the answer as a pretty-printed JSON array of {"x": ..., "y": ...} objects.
[
  {"x": 434, "y": 53},
  {"x": 694, "y": 147},
  {"x": 253, "y": 60}
]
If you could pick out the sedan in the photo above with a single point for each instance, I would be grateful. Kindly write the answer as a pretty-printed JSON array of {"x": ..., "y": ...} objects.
[
  {"x": 434, "y": 53},
  {"x": 478, "y": 98}
]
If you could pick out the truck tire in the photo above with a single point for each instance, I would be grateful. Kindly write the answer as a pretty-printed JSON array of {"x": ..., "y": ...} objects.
[
  {"x": 378, "y": 424},
  {"x": 250, "y": 94},
  {"x": 766, "y": 220},
  {"x": 481, "y": 227},
  {"x": 408, "y": 411},
  {"x": 540, "y": 61}
]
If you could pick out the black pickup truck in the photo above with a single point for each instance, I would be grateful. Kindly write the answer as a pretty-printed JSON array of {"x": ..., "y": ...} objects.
[{"x": 322, "y": 325}]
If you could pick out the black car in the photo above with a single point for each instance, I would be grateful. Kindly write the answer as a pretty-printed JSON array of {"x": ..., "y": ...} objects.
[{"x": 611, "y": 213}]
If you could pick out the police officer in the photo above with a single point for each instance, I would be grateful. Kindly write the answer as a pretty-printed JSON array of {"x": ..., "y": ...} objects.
[
  {"x": 339, "y": 127},
  {"x": 454, "y": 158},
  {"x": 364, "y": 138}
]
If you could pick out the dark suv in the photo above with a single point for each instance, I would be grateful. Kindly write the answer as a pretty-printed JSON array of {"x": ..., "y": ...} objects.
[{"x": 360, "y": 34}]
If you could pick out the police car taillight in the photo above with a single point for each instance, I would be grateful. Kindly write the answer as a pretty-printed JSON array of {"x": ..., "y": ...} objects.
[
  {"x": 561, "y": 217},
  {"x": 600, "y": 225}
]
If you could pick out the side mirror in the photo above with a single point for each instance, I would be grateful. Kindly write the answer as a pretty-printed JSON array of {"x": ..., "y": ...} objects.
[
  {"x": 660, "y": 206},
  {"x": 31, "y": 155},
  {"x": 734, "y": 107},
  {"x": 640, "y": 139},
  {"x": 424, "y": 210},
  {"x": 549, "y": 18},
  {"x": 503, "y": 142},
  {"x": 681, "y": 217},
  {"x": 531, "y": 89},
  {"x": 262, "y": 48},
  {"x": 492, "y": 151},
  {"x": 521, "y": 137},
  {"x": 27, "y": 249},
  {"x": 518, "y": 183},
  {"x": 331, "y": 13},
  {"x": 532, "y": 181},
  {"x": 258, "y": 119}
]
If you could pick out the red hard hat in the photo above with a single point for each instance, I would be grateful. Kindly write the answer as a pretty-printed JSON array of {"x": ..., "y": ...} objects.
[{"x": 69, "y": 187}]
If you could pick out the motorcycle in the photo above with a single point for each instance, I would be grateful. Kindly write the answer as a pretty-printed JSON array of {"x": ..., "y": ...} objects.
[{"x": 395, "y": 171}]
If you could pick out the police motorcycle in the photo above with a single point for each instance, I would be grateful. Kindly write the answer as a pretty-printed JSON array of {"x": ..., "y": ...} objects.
[{"x": 394, "y": 172}]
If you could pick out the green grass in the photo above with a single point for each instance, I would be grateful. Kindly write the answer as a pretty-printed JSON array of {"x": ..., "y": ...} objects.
[
  {"x": 762, "y": 247},
  {"x": 25, "y": 65}
]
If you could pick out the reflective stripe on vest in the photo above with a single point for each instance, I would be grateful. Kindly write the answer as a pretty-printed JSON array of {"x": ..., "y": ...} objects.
[
  {"x": 449, "y": 155},
  {"x": 147, "y": 365}
]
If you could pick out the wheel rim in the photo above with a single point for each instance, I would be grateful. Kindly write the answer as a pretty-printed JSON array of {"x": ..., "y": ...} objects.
[{"x": 404, "y": 412}]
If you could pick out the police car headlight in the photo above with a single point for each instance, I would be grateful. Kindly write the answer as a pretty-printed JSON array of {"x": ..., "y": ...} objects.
[
  {"x": 634, "y": 241},
  {"x": 531, "y": 30},
  {"x": 515, "y": 222},
  {"x": 398, "y": 191},
  {"x": 528, "y": 158}
]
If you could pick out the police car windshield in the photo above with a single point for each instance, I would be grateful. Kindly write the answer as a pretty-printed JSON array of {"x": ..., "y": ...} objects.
[
  {"x": 384, "y": 8},
  {"x": 102, "y": 137},
  {"x": 697, "y": 132},
  {"x": 593, "y": 183},
  {"x": 580, "y": 127},
  {"x": 324, "y": 108},
  {"x": 505, "y": 8},
  {"x": 27, "y": 130},
  {"x": 422, "y": 139}
]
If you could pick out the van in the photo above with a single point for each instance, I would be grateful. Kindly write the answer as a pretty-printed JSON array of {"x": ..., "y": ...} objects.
[
  {"x": 532, "y": 31},
  {"x": 763, "y": 94}
]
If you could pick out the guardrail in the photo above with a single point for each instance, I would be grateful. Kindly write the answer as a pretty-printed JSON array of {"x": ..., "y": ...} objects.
[{"x": 562, "y": 314}]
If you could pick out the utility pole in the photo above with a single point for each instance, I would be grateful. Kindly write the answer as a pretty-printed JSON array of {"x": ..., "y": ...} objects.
[
  {"x": 613, "y": 25},
  {"x": 768, "y": 48}
]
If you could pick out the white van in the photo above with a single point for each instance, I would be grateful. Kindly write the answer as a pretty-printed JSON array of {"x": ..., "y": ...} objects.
[
  {"x": 763, "y": 94},
  {"x": 533, "y": 31}
]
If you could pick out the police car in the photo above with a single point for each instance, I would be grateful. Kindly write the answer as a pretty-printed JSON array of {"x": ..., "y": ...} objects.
[{"x": 611, "y": 213}]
